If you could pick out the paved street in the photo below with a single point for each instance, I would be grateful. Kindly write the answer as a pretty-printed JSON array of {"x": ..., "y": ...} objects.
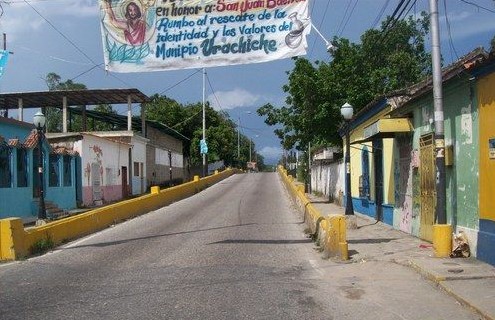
[{"x": 234, "y": 251}]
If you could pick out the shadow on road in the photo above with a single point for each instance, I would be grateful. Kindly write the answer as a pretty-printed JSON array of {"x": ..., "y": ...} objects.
[
  {"x": 241, "y": 241},
  {"x": 111, "y": 243}
]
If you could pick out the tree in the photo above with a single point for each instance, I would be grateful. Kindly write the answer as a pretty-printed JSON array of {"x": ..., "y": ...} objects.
[
  {"x": 384, "y": 61},
  {"x": 54, "y": 114},
  {"x": 221, "y": 134}
]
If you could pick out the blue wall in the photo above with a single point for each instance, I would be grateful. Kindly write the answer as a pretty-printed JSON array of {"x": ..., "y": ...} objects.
[
  {"x": 486, "y": 239},
  {"x": 368, "y": 208},
  {"x": 19, "y": 201}
]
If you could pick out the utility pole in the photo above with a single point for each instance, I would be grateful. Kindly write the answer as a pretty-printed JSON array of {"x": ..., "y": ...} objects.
[
  {"x": 239, "y": 139},
  {"x": 441, "y": 231},
  {"x": 5, "y": 112},
  {"x": 205, "y": 169}
]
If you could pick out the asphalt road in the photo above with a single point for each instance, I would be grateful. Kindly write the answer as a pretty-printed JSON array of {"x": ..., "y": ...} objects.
[{"x": 234, "y": 251}]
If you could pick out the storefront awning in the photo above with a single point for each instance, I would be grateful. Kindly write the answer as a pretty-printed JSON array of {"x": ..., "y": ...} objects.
[{"x": 387, "y": 128}]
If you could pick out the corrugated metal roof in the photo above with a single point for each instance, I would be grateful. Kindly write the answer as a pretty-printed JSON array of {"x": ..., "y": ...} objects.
[{"x": 43, "y": 99}]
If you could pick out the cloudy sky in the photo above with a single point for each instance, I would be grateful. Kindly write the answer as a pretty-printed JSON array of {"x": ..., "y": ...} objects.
[{"x": 63, "y": 36}]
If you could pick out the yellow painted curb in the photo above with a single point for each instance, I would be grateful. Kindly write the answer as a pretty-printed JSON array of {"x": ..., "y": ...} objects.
[{"x": 332, "y": 229}]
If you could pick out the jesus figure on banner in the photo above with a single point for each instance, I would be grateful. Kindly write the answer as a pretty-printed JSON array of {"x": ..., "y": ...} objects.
[{"x": 134, "y": 26}]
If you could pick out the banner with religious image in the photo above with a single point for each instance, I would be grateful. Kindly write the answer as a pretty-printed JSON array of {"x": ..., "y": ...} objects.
[{"x": 154, "y": 35}]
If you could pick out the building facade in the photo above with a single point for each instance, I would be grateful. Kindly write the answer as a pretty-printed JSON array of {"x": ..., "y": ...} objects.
[
  {"x": 19, "y": 177},
  {"x": 394, "y": 154}
]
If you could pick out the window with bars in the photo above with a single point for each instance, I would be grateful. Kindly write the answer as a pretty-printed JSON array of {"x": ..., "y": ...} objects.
[
  {"x": 22, "y": 168},
  {"x": 364, "y": 181},
  {"x": 53, "y": 171},
  {"x": 5, "y": 167},
  {"x": 67, "y": 169}
]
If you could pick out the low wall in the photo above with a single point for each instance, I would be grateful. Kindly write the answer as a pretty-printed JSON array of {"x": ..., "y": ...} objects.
[
  {"x": 328, "y": 179},
  {"x": 17, "y": 242},
  {"x": 330, "y": 230}
]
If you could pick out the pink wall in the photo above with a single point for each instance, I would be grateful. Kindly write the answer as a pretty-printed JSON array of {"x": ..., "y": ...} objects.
[{"x": 110, "y": 193}]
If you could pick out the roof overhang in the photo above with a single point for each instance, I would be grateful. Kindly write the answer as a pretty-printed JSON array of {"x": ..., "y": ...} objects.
[
  {"x": 73, "y": 98},
  {"x": 386, "y": 128}
]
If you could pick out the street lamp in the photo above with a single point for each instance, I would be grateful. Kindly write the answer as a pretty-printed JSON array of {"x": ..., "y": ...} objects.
[
  {"x": 347, "y": 111},
  {"x": 39, "y": 122}
]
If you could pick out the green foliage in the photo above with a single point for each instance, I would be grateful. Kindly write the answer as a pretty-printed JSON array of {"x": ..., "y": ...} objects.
[
  {"x": 384, "y": 61},
  {"x": 41, "y": 246},
  {"x": 221, "y": 131},
  {"x": 54, "y": 115}
]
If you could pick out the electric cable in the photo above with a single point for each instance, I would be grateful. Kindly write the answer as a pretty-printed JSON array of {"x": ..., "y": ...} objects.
[
  {"x": 181, "y": 81},
  {"x": 73, "y": 44},
  {"x": 449, "y": 31},
  {"x": 320, "y": 25},
  {"x": 380, "y": 14},
  {"x": 477, "y": 6},
  {"x": 348, "y": 18},
  {"x": 344, "y": 16}
]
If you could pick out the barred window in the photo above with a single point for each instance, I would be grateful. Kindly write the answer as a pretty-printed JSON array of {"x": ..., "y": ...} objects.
[
  {"x": 22, "y": 168},
  {"x": 53, "y": 171},
  {"x": 5, "y": 168},
  {"x": 67, "y": 171}
]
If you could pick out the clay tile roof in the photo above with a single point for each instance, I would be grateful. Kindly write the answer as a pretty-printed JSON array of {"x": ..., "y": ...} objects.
[
  {"x": 15, "y": 143},
  {"x": 64, "y": 151},
  {"x": 31, "y": 140}
]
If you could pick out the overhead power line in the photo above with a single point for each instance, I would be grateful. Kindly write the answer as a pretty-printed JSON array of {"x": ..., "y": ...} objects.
[
  {"x": 380, "y": 14},
  {"x": 478, "y": 6},
  {"x": 73, "y": 44},
  {"x": 392, "y": 17},
  {"x": 344, "y": 16},
  {"x": 320, "y": 24},
  {"x": 348, "y": 18},
  {"x": 451, "y": 41},
  {"x": 181, "y": 81},
  {"x": 398, "y": 14},
  {"x": 213, "y": 92}
]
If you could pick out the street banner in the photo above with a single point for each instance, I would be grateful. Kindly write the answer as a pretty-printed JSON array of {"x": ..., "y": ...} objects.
[
  {"x": 4, "y": 57},
  {"x": 203, "y": 147},
  {"x": 155, "y": 35}
]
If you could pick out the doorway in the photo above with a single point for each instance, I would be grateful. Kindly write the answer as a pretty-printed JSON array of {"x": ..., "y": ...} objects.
[
  {"x": 124, "y": 182},
  {"x": 378, "y": 171},
  {"x": 427, "y": 186}
]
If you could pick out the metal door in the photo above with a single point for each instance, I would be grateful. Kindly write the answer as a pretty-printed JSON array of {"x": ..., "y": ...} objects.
[{"x": 427, "y": 186}]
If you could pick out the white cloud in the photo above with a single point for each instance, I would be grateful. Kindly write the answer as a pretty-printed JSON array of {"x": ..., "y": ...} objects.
[
  {"x": 462, "y": 25},
  {"x": 57, "y": 12},
  {"x": 233, "y": 99},
  {"x": 271, "y": 153}
]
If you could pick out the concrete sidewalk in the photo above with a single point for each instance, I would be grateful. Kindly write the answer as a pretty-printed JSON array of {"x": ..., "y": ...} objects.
[{"x": 470, "y": 281}]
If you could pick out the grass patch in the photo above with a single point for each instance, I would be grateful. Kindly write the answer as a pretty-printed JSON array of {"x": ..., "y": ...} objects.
[
  {"x": 318, "y": 193},
  {"x": 41, "y": 246}
]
